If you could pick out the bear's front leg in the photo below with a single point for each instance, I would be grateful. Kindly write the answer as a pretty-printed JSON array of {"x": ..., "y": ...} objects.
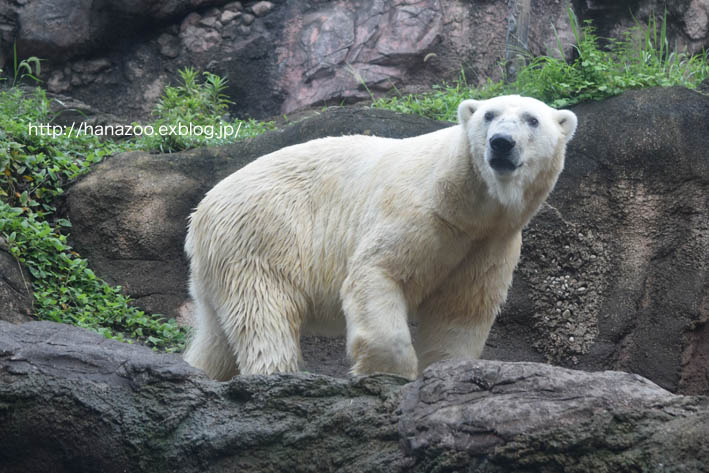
[
  {"x": 454, "y": 321},
  {"x": 378, "y": 337}
]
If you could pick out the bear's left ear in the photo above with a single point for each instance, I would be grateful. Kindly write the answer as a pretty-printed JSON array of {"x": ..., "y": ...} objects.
[
  {"x": 466, "y": 109},
  {"x": 567, "y": 121}
]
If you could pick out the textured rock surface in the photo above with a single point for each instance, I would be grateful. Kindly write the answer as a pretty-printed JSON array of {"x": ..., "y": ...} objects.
[
  {"x": 289, "y": 54},
  {"x": 71, "y": 401},
  {"x": 687, "y": 20},
  {"x": 70, "y": 28},
  {"x": 501, "y": 417},
  {"x": 15, "y": 288},
  {"x": 278, "y": 56},
  {"x": 613, "y": 272}
]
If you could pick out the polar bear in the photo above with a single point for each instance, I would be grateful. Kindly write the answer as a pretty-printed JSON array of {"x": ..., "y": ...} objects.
[{"x": 363, "y": 234}]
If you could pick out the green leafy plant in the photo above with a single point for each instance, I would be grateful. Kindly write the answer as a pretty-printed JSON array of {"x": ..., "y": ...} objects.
[
  {"x": 193, "y": 114},
  {"x": 37, "y": 158},
  {"x": 35, "y": 165},
  {"x": 66, "y": 290},
  {"x": 442, "y": 102},
  {"x": 642, "y": 58}
]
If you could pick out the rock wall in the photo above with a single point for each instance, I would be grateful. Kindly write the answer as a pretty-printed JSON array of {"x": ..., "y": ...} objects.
[
  {"x": 285, "y": 55},
  {"x": 279, "y": 56}
]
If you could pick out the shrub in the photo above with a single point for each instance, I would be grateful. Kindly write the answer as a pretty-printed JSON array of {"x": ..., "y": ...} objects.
[{"x": 199, "y": 105}]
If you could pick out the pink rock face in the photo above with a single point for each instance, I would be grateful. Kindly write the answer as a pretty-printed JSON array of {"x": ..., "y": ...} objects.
[
  {"x": 353, "y": 50},
  {"x": 333, "y": 53}
]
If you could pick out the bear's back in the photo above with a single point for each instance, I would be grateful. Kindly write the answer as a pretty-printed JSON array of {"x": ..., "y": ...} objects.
[{"x": 299, "y": 207}]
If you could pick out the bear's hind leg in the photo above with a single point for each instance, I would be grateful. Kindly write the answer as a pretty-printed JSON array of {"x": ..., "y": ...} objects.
[
  {"x": 209, "y": 349},
  {"x": 439, "y": 339},
  {"x": 262, "y": 324}
]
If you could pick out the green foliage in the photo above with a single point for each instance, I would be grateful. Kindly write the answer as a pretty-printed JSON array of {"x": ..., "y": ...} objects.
[
  {"x": 67, "y": 290},
  {"x": 35, "y": 166},
  {"x": 24, "y": 68},
  {"x": 192, "y": 114},
  {"x": 441, "y": 103},
  {"x": 39, "y": 158},
  {"x": 641, "y": 59},
  {"x": 35, "y": 162}
]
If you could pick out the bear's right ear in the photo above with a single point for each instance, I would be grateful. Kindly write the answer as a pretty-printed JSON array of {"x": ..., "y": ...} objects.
[
  {"x": 466, "y": 109},
  {"x": 567, "y": 121}
]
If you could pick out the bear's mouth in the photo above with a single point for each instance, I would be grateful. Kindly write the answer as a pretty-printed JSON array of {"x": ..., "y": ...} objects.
[{"x": 503, "y": 165}]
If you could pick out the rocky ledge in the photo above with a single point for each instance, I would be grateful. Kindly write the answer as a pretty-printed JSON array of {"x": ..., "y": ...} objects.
[{"x": 71, "y": 401}]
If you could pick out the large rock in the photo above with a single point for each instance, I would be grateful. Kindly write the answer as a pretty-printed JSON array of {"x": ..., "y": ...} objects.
[
  {"x": 502, "y": 417},
  {"x": 613, "y": 272},
  {"x": 15, "y": 288},
  {"x": 71, "y": 401}
]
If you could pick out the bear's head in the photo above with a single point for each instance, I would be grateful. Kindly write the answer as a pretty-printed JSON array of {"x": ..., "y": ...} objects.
[{"x": 517, "y": 144}]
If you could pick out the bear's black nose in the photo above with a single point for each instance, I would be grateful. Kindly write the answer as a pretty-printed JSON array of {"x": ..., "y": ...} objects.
[{"x": 501, "y": 143}]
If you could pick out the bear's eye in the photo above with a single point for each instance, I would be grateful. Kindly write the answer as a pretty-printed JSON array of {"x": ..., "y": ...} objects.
[
  {"x": 533, "y": 122},
  {"x": 489, "y": 116}
]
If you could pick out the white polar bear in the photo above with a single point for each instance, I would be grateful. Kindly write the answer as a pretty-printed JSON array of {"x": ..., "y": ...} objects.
[{"x": 370, "y": 233}]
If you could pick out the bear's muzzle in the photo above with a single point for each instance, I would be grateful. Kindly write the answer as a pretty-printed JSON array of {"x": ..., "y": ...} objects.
[{"x": 503, "y": 157}]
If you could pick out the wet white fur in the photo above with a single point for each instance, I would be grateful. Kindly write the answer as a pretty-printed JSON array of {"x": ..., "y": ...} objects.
[{"x": 365, "y": 233}]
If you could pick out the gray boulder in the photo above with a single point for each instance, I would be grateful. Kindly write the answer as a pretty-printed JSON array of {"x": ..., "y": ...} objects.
[
  {"x": 15, "y": 288},
  {"x": 493, "y": 416},
  {"x": 75, "y": 402}
]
